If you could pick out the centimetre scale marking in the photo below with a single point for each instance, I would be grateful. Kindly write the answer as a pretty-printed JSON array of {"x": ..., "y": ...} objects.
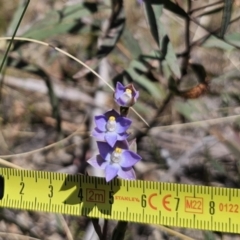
[{"x": 189, "y": 206}]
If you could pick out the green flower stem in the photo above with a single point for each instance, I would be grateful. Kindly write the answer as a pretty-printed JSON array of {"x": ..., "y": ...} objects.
[
  {"x": 15, "y": 31},
  {"x": 10, "y": 44},
  {"x": 105, "y": 229},
  {"x": 124, "y": 111},
  {"x": 119, "y": 230},
  {"x": 95, "y": 222}
]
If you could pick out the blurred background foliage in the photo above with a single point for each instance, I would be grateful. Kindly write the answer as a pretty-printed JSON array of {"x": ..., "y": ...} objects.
[{"x": 183, "y": 57}]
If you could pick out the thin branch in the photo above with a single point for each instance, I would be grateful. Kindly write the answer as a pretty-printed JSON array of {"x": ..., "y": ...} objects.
[
  {"x": 77, "y": 132},
  {"x": 65, "y": 227},
  {"x": 95, "y": 222},
  {"x": 8, "y": 164},
  {"x": 172, "y": 232},
  {"x": 10, "y": 44},
  {"x": 206, "y": 6},
  {"x": 140, "y": 134},
  {"x": 6, "y": 235},
  {"x": 105, "y": 228},
  {"x": 187, "y": 39},
  {"x": 214, "y": 33}
]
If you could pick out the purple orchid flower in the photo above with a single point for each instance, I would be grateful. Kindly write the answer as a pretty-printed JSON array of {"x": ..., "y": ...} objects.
[
  {"x": 111, "y": 127},
  {"x": 125, "y": 96},
  {"x": 117, "y": 160}
]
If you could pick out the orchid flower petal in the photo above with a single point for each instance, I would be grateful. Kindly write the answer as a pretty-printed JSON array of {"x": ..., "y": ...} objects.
[
  {"x": 123, "y": 124},
  {"x": 111, "y": 138},
  {"x": 122, "y": 144},
  {"x": 119, "y": 90},
  {"x": 98, "y": 162},
  {"x": 98, "y": 134},
  {"x": 122, "y": 136},
  {"x": 111, "y": 171},
  {"x": 100, "y": 122},
  {"x": 105, "y": 150},
  {"x": 125, "y": 96},
  {"x": 112, "y": 113},
  {"x": 129, "y": 159},
  {"x": 127, "y": 173}
]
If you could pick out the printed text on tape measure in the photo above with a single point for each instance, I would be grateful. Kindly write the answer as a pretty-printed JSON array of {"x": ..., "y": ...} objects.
[{"x": 209, "y": 208}]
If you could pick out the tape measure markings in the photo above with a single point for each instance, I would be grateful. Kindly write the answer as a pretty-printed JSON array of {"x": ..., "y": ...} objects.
[{"x": 170, "y": 204}]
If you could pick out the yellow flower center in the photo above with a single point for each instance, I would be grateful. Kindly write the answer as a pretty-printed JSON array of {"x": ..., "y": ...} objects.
[
  {"x": 127, "y": 97},
  {"x": 129, "y": 91},
  {"x": 112, "y": 118},
  {"x": 118, "y": 150},
  {"x": 116, "y": 155},
  {"x": 111, "y": 124}
]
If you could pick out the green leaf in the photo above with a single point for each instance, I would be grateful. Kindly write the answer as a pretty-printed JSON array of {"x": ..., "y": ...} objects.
[
  {"x": 216, "y": 10},
  {"x": 213, "y": 41},
  {"x": 110, "y": 37},
  {"x": 3, "y": 62},
  {"x": 145, "y": 82},
  {"x": 172, "y": 7},
  {"x": 186, "y": 110},
  {"x": 138, "y": 65},
  {"x": 16, "y": 17},
  {"x": 152, "y": 20},
  {"x": 209, "y": 235},
  {"x": 114, "y": 31},
  {"x": 59, "y": 22},
  {"x": 235, "y": 150},
  {"x": 233, "y": 38},
  {"x": 227, "y": 12},
  {"x": 216, "y": 165},
  {"x": 137, "y": 72},
  {"x": 134, "y": 71},
  {"x": 154, "y": 12},
  {"x": 131, "y": 43},
  {"x": 119, "y": 231}
]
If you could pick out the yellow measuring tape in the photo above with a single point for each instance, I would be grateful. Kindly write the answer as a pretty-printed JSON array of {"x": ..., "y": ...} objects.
[{"x": 171, "y": 204}]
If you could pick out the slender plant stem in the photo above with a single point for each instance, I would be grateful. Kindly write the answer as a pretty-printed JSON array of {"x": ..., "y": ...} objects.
[
  {"x": 140, "y": 134},
  {"x": 188, "y": 45},
  {"x": 204, "y": 38},
  {"x": 187, "y": 40},
  {"x": 95, "y": 222},
  {"x": 105, "y": 228},
  {"x": 119, "y": 231},
  {"x": 205, "y": 6},
  {"x": 10, "y": 44}
]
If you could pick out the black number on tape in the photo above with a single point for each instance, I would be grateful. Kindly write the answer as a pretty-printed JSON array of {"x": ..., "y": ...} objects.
[
  {"x": 177, "y": 205},
  {"x": 50, "y": 195},
  {"x": 212, "y": 207},
  {"x": 22, "y": 187},
  {"x": 143, "y": 201}
]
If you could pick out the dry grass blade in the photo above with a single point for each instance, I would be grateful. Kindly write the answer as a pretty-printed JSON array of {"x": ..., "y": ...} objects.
[
  {"x": 65, "y": 227},
  {"x": 8, "y": 164},
  {"x": 16, "y": 236},
  {"x": 201, "y": 123},
  {"x": 72, "y": 57},
  {"x": 172, "y": 232},
  {"x": 44, "y": 148}
]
